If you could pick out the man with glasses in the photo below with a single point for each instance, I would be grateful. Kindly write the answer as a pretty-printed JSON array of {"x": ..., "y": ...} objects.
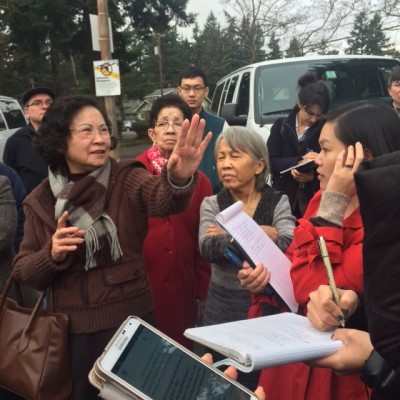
[
  {"x": 193, "y": 88},
  {"x": 19, "y": 152}
]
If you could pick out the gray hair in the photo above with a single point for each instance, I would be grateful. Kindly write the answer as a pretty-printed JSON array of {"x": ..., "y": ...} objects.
[{"x": 244, "y": 139}]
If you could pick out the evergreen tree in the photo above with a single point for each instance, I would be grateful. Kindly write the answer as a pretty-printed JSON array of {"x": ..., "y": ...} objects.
[
  {"x": 367, "y": 36},
  {"x": 208, "y": 49},
  {"x": 275, "y": 52},
  {"x": 295, "y": 49}
]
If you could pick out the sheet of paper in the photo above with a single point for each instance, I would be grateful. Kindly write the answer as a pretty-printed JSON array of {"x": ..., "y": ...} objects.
[{"x": 260, "y": 248}]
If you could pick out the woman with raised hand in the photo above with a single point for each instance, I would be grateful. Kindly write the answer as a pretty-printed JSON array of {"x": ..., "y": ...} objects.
[{"x": 86, "y": 224}]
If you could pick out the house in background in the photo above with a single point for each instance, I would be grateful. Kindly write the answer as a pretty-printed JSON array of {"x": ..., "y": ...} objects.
[{"x": 142, "y": 111}]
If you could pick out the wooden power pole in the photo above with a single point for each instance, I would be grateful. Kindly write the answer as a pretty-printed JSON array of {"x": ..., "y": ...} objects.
[{"x": 105, "y": 53}]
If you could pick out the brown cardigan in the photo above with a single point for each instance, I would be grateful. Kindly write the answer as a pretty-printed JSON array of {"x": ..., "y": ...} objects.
[{"x": 104, "y": 296}]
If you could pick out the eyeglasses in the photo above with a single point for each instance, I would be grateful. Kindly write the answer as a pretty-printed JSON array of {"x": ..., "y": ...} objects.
[
  {"x": 163, "y": 125},
  {"x": 312, "y": 114},
  {"x": 40, "y": 103},
  {"x": 87, "y": 131},
  {"x": 188, "y": 89}
]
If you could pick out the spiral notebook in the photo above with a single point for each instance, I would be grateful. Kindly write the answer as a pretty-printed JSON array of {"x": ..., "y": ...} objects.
[{"x": 264, "y": 342}]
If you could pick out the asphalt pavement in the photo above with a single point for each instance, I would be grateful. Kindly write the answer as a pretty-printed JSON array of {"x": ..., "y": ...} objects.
[{"x": 130, "y": 148}]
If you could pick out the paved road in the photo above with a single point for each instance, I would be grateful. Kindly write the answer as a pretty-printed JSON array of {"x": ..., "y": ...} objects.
[
  {"x": 130, "y": 146},
  {"x": 133, "y": 150}
]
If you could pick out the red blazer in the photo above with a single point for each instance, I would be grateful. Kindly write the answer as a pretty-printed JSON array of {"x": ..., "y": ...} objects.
[
  {"x": 178, "y": 274},
  {"x": 298, "y": 381}
]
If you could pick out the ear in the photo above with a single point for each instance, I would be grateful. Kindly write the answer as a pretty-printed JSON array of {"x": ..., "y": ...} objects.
[
  {"x": 151, "y": 134},
  {"x": 260, "y": 167},
  {"x": 368, "y": 154}
]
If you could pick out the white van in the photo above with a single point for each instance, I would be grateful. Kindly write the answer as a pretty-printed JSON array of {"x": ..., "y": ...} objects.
[
  {"x": 11, "y": 119},
  {"x": 257, "y": 94}
]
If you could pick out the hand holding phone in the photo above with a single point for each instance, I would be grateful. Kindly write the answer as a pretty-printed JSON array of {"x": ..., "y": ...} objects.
[
  {"x": 148, "y": 365},
  {"x": 236, "y": 255}
]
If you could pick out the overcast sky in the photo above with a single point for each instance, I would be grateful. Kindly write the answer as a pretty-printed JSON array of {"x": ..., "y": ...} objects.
[{"x": 203, "y": 9}]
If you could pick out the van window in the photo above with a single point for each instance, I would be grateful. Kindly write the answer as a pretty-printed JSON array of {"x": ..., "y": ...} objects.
[
  {"x": 216, "y": 100},
  {"x": 3, "y": 126},
  {"x": 12, "y": 113},
  {"x": 231, "y": 89},
  {"x": 244, "y": 95},
  {"x": 347, "y": 80}
]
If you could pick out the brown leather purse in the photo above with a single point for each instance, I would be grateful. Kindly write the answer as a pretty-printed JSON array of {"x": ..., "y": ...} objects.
[{"x": 34, "y": 359}]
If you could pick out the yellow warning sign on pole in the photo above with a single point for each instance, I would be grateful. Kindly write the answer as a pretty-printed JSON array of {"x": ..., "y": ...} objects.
[{"x": 107, "y": 78}]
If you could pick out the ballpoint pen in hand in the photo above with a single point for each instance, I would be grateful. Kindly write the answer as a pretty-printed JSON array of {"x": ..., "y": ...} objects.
[{"x": 328, "y": 268}]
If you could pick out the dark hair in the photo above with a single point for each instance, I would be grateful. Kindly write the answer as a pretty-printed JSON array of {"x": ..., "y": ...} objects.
[
  {"x": 193, "y": 72},
  {"x": 55, "y": 127},
  {"x": 169, "y": 100},
  {"x": 374, "y": 124},
  {"x": 313, "y": 92},
  {"x": 394, "y": 76}
]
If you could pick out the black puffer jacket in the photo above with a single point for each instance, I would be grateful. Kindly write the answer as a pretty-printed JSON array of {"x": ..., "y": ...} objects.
[{"x": 378, "y": 190}]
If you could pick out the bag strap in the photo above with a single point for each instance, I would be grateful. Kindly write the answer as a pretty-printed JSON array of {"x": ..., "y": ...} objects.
[{"x": 25, "y": 337}]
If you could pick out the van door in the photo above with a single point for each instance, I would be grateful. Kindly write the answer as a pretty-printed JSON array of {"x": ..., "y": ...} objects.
[{"x": 11, "y": 119}]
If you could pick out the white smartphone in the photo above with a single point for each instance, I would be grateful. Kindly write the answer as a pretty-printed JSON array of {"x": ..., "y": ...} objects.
[{"x": 142, "y": 360}]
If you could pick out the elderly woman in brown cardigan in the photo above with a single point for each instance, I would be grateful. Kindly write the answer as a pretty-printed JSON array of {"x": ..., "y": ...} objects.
[{"x": 86, "y": 224}]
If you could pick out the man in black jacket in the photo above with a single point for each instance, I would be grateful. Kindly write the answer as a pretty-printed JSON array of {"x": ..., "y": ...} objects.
[{"x": 19, "y": 152}]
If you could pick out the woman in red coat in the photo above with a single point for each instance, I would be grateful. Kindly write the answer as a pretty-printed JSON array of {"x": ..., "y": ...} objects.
[
  {"x": 178, "y": 275},
  {"x": 333, "y": 213}
]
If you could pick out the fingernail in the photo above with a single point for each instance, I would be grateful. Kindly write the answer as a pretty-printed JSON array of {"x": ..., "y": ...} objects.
[
  {"x": 345, "y": 312},
  {"x": 339, "y": 318}
]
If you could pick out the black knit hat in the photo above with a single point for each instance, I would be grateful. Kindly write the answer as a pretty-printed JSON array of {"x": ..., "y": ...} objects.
[{"x": 31, "y": 92}]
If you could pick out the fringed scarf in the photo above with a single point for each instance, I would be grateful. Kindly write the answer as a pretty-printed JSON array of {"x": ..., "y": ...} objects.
[
  {"x": 85, "y": 200},
  {"x": 156, "y": 159}
]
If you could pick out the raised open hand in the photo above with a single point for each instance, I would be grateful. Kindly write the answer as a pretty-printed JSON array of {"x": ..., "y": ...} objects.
[{"x": 188, "y": 151}]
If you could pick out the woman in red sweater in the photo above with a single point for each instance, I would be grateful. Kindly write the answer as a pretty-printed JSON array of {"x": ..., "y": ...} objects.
[
  {"x": 178, "y": 274},
  {"x": 333, "y": 213}
]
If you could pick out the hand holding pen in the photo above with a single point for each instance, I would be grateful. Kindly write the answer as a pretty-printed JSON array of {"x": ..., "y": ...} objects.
[
  {"x": 329, "y": 272},
  {"x": 328, "y": 305},
  {"x": 322, "y": 311}
]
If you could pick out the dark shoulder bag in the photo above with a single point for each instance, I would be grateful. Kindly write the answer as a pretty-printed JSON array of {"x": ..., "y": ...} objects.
[{"x": 34, "y": 358}]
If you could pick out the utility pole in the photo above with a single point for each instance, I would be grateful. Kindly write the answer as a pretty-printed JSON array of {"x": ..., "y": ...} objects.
[
  {"x": 159, "y": 36},
  {"x": 105, "y": 53}
]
